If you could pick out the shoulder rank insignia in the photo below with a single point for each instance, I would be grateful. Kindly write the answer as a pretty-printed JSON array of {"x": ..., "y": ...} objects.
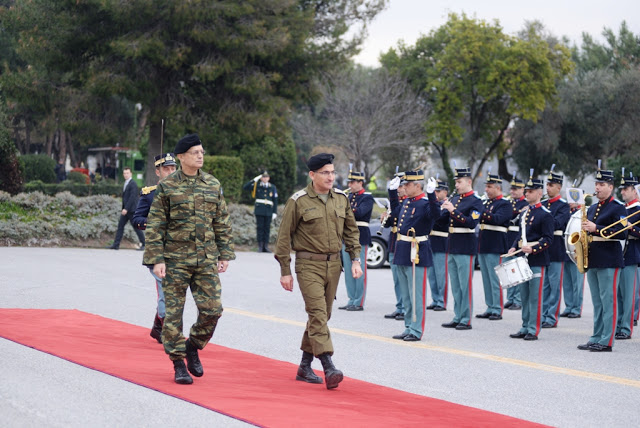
[
  {"x": 148, "y": 189},
  {"x": 475, "y": 215},
  {"x": 298, "y": 194}
]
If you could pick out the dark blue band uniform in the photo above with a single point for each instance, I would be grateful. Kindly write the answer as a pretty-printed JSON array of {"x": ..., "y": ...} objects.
[
  {"x": 466, "y": 214},
  {"x": 362, "y": 206},
  {"x": 416, "y": 213},
  {"x": 561, "y": 213},
  {"x": 494, "y": 224},
  {"x": 539, "y": 229},
  {"x": 606, "y": 253}
]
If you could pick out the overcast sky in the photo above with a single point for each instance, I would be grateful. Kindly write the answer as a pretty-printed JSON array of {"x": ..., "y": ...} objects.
[{"x": 408, "y": 19}]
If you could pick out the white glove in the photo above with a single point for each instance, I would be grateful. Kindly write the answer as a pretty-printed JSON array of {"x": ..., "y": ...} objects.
[
  {"x": 257, "y": 177},
  {"x": 431, "y": 185},
  {"x": 273, "y": 216},
  {"x": 394, "y": 184}
]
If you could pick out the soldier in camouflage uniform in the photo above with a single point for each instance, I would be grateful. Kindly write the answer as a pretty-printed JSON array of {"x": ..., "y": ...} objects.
[
  {"x": 315, "y": 222},
  {"x": 188, "y": 243}
]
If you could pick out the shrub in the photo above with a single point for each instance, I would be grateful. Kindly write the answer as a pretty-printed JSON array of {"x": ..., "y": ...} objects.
[
  {"x": 77, "y": 177},
  {"x": 39, "y": 167},
  {"x": 228, "y": 170}
]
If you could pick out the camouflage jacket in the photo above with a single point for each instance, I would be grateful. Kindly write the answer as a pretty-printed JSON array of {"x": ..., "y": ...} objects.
[
  {"x": 308, "y": 224},
  {"x": 188, "y": 221}
]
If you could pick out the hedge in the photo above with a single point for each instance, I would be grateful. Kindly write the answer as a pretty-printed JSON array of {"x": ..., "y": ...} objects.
[
  {"x": 229, "y": 171},
  {"x": 77, "y": 189}
]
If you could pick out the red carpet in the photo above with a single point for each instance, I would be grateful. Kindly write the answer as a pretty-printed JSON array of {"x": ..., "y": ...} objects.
[{"x": 244, "y": 386}]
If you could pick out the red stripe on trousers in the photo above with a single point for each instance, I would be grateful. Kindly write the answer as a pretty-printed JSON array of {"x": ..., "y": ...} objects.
[
  {"x": 500, "y": 288},
  {"x": 424, "y": 299},
  {"x": 470, "y": 289},
  {"x": 633, "y": 304},
  {"x": 446, "y": 278},
  {"x": 559, "y": 293},
  {"x": 615, "y": 306},
  {"x": 364, "y": 287},
  {"x": 539, "y": 310}
]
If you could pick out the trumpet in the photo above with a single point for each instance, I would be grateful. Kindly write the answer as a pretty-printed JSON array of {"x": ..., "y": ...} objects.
[
  {"x": 623, "y": 221},
  {"x": 383, "y": 223}
]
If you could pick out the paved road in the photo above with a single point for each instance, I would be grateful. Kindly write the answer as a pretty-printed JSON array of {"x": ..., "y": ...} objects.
[{"x": 548, "y": 381}]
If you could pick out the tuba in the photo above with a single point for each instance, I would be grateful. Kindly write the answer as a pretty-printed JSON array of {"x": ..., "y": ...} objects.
[{"x": 581, "y": 241}]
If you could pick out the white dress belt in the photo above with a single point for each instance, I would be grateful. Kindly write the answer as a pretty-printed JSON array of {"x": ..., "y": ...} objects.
[
  {"x": 362, "y": 223},
  {"x": 439, "y": 233},
  {"x": 461, "y": 230},
  {"x": 264, "y": 201},
  {"x": 558, "y": 232},
  {"x": 502, "y": 229},
  {"x": 412, "y": 238},
  {"x": 514, "y": 229}
]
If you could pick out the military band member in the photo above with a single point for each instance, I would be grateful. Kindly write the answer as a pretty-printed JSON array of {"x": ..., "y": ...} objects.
[
  {"x": 361, "y": 203},
  {"x": 315, "y": 222},
  {"x": 572, "y": 281},
  {"x": 518, "y": 203},
  {"x": 464, "y": 211},
  {"x": 165, "y": 166},
  {"x": 265, "y": 207},
  {"x": 396, "y": 196},
  {"x": 189, "y": 242},
  {"x": 494, "y": 224},
  {"x": 439, "y": 274},
  {"x": 605, "y": 261},
  {"x": 413, "y": 252},
  {"x": 538, "y": 225},
  {"x": 628, "y": 274},
  {"x": 552, "y": 287}
]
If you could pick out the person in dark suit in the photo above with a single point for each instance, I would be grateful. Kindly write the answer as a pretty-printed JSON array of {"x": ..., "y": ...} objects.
[{"x": 129, "y": 203}]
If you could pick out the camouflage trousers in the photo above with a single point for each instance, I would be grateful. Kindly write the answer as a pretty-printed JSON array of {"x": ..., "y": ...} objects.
[{"x": 205, "y": 288}]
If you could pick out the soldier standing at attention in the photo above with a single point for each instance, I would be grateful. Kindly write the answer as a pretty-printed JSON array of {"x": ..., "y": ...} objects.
[
  {"x": 492, "y": 243},
  {"x": 464, "y": 211},
  {"x": 315, "y": 223},
  {"x": 362, "y": 205},
  {"x": 538, "y": 233},
  {"x": 413, "y": 252},
  {"x": 396, "y": 196},
  {"x": 627, "y": 289},
  {"x": 552, "y": 287},
  {"x": 605, "y": 262},
  {"x": 165, "y": 166},
  {"x": 265, "y": 208},
  {"x": 439, "y": 274},
  {"x": 518, "y": 202},
  {"x": 188, "y": 243}
]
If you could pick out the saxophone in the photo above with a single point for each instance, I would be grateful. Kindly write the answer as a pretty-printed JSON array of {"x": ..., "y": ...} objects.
[{"x": 581, "y": 241}]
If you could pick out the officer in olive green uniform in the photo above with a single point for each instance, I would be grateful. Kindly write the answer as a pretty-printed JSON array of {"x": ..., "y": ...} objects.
[
  {"x": 315, "y": 223},
  {"x": 265, "y": 209},
  {"x": 188, "y": 243}
]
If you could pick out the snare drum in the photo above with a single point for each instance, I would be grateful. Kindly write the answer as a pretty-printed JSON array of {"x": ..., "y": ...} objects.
[{"x": 513, "y": 272}]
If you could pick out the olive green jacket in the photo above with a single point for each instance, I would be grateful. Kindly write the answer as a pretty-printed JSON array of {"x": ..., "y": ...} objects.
[
  {"x": 308, "y": 224},
  {"x": 188, "y": 222}
]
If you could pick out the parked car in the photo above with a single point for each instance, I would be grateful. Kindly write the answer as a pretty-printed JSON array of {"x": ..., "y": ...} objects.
[{"x": 378, "y": 252}]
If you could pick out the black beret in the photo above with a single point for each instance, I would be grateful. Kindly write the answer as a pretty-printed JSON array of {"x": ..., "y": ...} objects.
[
  {"x": 186, "y": 143},
  {"x": 318, "y": 161}
]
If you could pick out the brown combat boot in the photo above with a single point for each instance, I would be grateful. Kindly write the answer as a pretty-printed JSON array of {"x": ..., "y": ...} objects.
[
  {"x": 332, "y": 376},
  {"x": 305, "y": 372}
]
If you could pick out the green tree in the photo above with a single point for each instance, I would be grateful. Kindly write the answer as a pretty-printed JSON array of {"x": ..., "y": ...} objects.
[
  {"x": 226, "y": 69},
  {"x": 11, "y": 178},
  {"x": 617, "y": 52},
  {"x": 478, "y": 80}
]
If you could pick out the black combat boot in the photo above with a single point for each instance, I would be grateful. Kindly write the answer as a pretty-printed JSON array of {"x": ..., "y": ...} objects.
[
  {"x": 181, "y": 377},
  {"x": 156, "y": 330},
  {"x": 332, "y": 376},
  {"x": 193, "y": 361},
  {"x": 265, "y": 249},
  {"x": 305, "y": 372}
]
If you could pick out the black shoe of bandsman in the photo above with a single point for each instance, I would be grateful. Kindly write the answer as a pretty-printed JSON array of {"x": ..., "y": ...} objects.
[
  {"x": 495, "y": 317},
  {"x": 622, "y": 336},
  {"x": 305, "y": 372},
  {"x": 344, "y": 307},
  {"x": 587, "y": 346},
  {"x": 600, "y": 348},
  {"x": 400, "y": 336},
  {"x": 353, "y": 308},
  {"x": 393, "y": 314},
  {"x": 548, "y": 325},
  {"x": 451, "y": 324},
  {"x": 514, "y": 307},
  {"x": 332, "y": 376},
  {"x": 439, "y": 309},
  {"x": 411, "y": 338},
  {"x": 431, "y": 306},
  {"x": 565, "y": 314},
  {"x": 530, "y": 336},
  {"x": 573, "y": 316},
  {"x": 193, "y": 361},
  {"x": 518, "y": 335},
  {"x": 400, "y": 317},
  {"x": 181, "y": 375},
  {"x": 508, "y": 305},
  {"x": 463, "y": 327},
  {"x": 483, "y": 315}
]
